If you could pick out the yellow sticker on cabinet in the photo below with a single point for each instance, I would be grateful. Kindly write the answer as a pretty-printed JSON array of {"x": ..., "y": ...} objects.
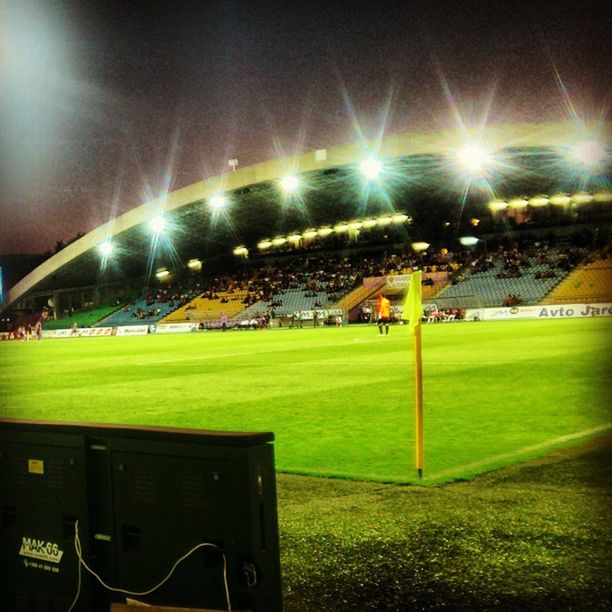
[{"x": 36, "y": 466}]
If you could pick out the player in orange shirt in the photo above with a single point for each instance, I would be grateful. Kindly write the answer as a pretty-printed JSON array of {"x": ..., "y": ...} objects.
[{"x": 383, "y": 313}]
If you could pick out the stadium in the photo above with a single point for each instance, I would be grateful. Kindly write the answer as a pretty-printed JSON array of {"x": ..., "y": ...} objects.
[{"x": 247, "y": 303}]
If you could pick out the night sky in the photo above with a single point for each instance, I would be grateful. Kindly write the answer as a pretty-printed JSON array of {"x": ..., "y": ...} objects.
[{"x": 105, "y": 104}]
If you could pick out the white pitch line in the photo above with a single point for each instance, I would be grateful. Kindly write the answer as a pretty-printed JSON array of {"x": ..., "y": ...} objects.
[{"x": 522, "y": 451}]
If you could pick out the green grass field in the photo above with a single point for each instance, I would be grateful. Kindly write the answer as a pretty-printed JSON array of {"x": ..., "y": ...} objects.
[{"x": 340, "y": 401}]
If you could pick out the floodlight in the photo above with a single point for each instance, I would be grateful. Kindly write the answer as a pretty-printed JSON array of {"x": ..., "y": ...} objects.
[
  {"x": 475, "y": 222},
  {"x": 368, "y": 223},
  {"x": 603, "y": 196},
  {"x": 264, "y": 244},
  {"x": 162, "y": 273},
  {"x": 468, "y": 241},
  {"x": 279, "y": 241},
  {"x": 384, "y": 220},
  {"x": 325, "y": 231},
  {"x": 518, "y": 203},
  {"x": 241, "y": 250},
  {"x": 340, "y": 228},
  {"x": 538, "y": 201},
  {"x": 355, "y": 225},
  {"x": 295, "y": 238},
  {"x": 582, "y": 198},
  {"x": 217, "y": 202},
  {"x": 310, "y": 234},
  {"x": 420, "y": 246},
  {"x": 498, "y": 205},
  {"x": 157, "y": 224},
  {"x": 371, "y": 168},
  {"x": 589, "y": 154},
  {"x": 473, "y": 158},
  {"x": 194, "y": 264},
  {"x": 399, "y": 218},
  {"x": 561, "y": 199},
  {"x": 106, "y": 248},
  {"x": 289, "y": 183}
]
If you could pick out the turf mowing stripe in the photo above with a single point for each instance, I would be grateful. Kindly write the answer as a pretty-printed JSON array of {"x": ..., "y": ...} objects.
[{"x": 521, "y": 451}]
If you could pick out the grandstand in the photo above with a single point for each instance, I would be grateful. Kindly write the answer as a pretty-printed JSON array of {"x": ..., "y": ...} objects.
[
  {"x": 590, "y": 282},
  {"x": 262, "y": 259}
]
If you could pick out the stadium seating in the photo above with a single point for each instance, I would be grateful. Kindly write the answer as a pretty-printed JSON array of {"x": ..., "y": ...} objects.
[
  {"x": 210, "y": 309},
  {"x": 288, "y": 302},
  {"x": 83, "y": 318},
  {"x": 491, "y": 287},
  {"x": 138, "y": 314},
  {"x": 591, "y": 282}
]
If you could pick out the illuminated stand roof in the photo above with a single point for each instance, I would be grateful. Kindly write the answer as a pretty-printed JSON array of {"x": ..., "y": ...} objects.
[{"x": 470, "y": 149}]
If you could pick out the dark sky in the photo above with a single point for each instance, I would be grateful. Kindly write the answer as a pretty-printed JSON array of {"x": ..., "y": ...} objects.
[{"x": 100, "y": 99}]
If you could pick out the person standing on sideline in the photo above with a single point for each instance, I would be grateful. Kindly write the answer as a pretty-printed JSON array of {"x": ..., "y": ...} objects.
[
  {"x": 38, "y": 329},
  {"x": 383, "y": 313}
]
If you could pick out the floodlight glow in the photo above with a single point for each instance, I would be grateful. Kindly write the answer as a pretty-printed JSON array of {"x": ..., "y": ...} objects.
[
  {"x": 241, "y": 250},
  {"x": 369, "y": 223},
  {"x": 340, "y": 228},
  {"x": 194, "y": 264},
  {"x": 289, "y": 183},
  {"x": 498, "y": 205},
  {"x": 604, "y": 196},
  {"x": 325, "y": 231},
  {"x": 294, "y": 238},
  {"x": 518, "y": 203},
  {"x": 157, "y": 224},
  {"x": 582, "y": 198},
  {"x": 384, "y": 220},
  {"x": 473, "y": 158},
  {"x": 371, "y": 168},
  {"x": 420, "y": 246},
  {"x": 279, "y": 241},
  {"x": 264, "y": 244},
  {"x": 162, "y": 273},
  {"x": 561, "y": 199},
  {"x": 106, "y": 248},
  {"x": 538, "y": 201},
  {"x": 401, "y": 218},
  {"x": 468, "y": 240},
  {"x": 355, "y": 225},
  {"x": 589, "y": 153},
  {"x": 310, "y": 234},
  {"x": 217, "y": 202}
]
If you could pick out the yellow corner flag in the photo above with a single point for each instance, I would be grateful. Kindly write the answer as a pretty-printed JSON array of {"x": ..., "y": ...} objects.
[
  {"x": 413, "y": 307},
  {"x": 413, "y": 311}
]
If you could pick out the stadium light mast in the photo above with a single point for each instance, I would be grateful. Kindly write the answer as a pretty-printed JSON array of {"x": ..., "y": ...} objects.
[
  {"x": 157, "y": 224},
  {"x": 589, "y": 154},
  {"x": 371, "y": 168},
  {"x": 289, "y": 183},
  {"x": 473, "y": 158},
  {"x": 106, "y": 248},
  {"x": 218, "y": 202}
]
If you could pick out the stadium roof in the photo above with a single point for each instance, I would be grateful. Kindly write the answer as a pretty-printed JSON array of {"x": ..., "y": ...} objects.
[{"x": 529, "y": 160}]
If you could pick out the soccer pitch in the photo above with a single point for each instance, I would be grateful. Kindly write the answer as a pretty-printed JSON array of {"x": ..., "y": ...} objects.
[{"x": 340, "y": 401}]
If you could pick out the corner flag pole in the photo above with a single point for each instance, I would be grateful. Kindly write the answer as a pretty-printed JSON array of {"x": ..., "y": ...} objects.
[
  {"x": 413, "y": 311},
  {"x": 418, "y": 401}
]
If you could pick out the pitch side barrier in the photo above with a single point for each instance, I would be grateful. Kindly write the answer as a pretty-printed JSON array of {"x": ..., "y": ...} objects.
[
  {"x": 91, "y": 332},
  {"x": 541, "y": 311}
]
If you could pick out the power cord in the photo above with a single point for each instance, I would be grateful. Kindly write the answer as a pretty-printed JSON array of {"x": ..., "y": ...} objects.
[{"x": 83, "y": 563}]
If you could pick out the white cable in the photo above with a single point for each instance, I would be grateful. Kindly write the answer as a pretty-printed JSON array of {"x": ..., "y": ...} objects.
[
  {"x": 79, "y": 571},
  {"x": 79, "y": 553}
]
